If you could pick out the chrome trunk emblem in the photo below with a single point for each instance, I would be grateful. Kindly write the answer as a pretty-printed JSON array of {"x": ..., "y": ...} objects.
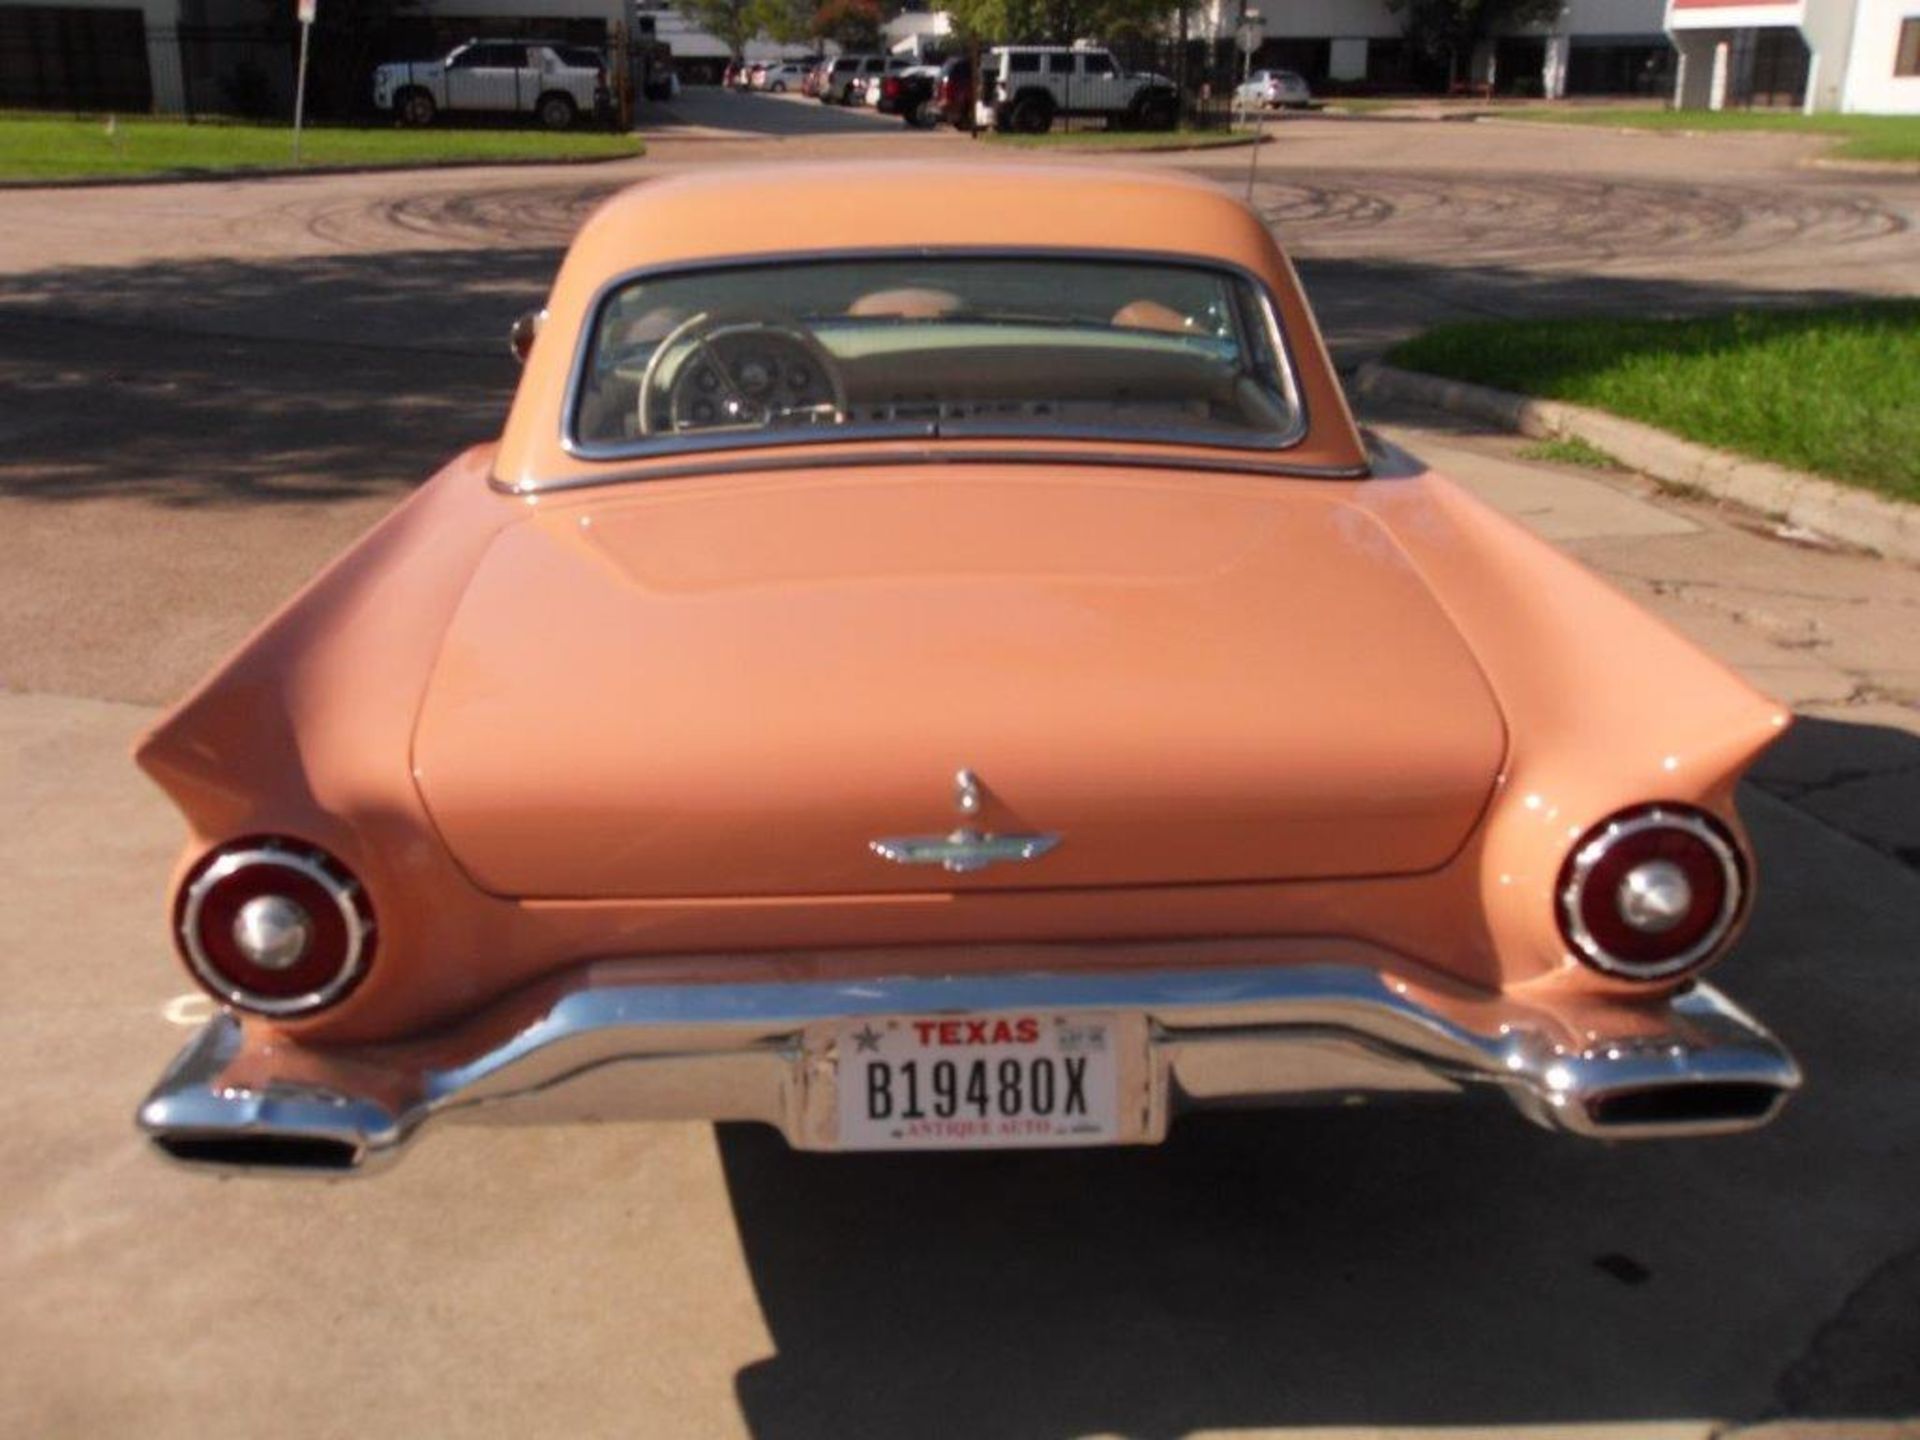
[
  {"x": 962, "y": 851},
  {"x": 965, "y": 849}
]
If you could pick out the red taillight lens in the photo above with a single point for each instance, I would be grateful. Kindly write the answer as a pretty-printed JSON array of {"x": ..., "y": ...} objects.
[
  {"x": 274, "y": 926},
  {"x": 1652, "y": 892}
]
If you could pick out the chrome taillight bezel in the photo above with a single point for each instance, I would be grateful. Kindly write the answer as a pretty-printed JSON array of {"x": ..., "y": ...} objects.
[
  {"x": 312, "y": 865},
  {"x": 1601, "y": 841}
]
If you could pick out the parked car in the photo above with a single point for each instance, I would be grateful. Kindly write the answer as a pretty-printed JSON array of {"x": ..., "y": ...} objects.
[
  {"x": 953, "y": 92},
  {"x": 908, "y": 93},
  {"x": 555, "y": 83},
  {"x": 1027, "y": 87},
  {"x": 983, "y": 691},
  {"x": 844, "y": 79},
  {"x": 1273, "y": 89},
  {"x": 871, "y": 86},
  {"x": 785, "y": 76}
]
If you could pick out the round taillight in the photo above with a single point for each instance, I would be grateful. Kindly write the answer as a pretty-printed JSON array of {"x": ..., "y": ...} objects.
[
  {"x": 275, "y": 927},
  {"x": 1651, "y": 892}
]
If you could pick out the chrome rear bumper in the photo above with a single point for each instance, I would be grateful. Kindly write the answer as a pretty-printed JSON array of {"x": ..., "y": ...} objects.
[{"x": 244, "y": 1095}]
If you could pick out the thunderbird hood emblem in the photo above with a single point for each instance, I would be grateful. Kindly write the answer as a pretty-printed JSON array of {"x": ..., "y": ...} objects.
[{"x": 965, "y": 849}]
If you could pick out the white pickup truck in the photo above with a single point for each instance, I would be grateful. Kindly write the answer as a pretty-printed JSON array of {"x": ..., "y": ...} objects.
[{"x": 554, "y": 82}]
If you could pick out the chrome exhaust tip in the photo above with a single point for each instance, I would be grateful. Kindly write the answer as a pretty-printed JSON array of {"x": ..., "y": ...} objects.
[
  {"x": 1699, "y": 1107},
  {"x": 309, "y": 1153},
  {"x": 199, "y": 1116},
  {"x": 1710, "y": 1069}
]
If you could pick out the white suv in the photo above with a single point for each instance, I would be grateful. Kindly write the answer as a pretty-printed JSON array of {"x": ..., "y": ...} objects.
[
  {"x": 1027, "y": 87},
  {"x": 553, "y": 81}
]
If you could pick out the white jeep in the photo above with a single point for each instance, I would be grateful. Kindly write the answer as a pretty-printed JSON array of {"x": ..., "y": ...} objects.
[
  {"x": 555, "y": 82},
  {"x": 1027, "y": 87}
]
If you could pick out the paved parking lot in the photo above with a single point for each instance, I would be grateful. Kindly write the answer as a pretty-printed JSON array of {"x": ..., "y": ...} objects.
[{"x": 205, "y": 390}]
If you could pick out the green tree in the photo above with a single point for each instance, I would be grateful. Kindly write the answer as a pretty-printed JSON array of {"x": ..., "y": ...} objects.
[
  {"x": 1056, "y": 22},
  {"x": 732, "y": 22},
  {"x": 1445, "y": 32},
  {"x": 851, "y": 24},
  {"x": 788, "y": 21}
]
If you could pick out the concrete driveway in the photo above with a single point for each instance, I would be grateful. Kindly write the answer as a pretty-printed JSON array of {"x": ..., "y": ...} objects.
[{"x": 205, "y": 390}]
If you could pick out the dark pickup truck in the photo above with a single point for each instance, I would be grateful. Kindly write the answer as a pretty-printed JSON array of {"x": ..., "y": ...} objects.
[{"x": 910, "y": 95}]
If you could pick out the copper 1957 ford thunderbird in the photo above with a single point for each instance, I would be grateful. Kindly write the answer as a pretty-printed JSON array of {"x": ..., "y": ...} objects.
[{"x": 948, "y": 671}]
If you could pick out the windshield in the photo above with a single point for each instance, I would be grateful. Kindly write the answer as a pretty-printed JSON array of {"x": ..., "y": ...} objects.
[{"x": 933, "y": 346}]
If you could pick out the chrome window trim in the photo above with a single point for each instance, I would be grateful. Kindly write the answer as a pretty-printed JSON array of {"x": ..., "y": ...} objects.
[
  {"x": 1595, "y": 850},
  {"x": 667, "y": 446},
  {"x": 914, "y": 454},
  {"x": 342, "y": 895}
]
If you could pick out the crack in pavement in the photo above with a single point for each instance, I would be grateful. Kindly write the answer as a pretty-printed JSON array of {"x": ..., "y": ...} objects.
[{"x": 1865, "y": 1359}]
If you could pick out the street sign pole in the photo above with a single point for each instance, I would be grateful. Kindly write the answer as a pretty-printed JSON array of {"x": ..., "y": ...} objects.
[
  {"x": 306, "y": 12},
  {"x": 1250, "y": 35}
]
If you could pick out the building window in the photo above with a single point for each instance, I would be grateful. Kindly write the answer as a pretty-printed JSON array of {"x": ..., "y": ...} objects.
[{"x": 1906, "y": 57}]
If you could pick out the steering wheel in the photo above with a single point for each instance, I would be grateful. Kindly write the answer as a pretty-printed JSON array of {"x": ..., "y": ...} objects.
[{"x": 713, "y": 373}]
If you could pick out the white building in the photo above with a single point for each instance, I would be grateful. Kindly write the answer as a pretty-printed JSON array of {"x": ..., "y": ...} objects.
[
  {"x": 1847, "y": 55},
  {"x": 1345, "y": 40},
  {"x": 1593, "y": 47},
  {"x": 917, "y": 32},
  {"x": 697, "y": 55}
]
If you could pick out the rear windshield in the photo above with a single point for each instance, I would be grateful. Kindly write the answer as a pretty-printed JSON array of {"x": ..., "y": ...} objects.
[{"x": 954, "y": 346}]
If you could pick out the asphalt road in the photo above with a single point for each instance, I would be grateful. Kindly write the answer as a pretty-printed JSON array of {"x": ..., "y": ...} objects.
[{"x": 206, "y": 390}]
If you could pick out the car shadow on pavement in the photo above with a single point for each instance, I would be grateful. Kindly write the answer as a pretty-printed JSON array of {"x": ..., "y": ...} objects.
[
  {"x": 1441, "y": 1264},
  {"x": 1366, "y": 306},
  {"x": 752, "y": 115},
  {"x": 231, "y": 382}
]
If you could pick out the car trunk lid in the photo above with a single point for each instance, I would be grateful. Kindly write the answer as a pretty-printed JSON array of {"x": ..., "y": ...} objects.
[{"x": 737, "y": 687}]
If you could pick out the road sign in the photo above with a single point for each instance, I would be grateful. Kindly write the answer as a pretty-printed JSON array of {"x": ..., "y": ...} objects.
[{"x": 1252, "y": 32}]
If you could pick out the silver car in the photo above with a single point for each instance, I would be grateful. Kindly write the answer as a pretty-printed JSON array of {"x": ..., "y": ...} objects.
[{"x": 1272, "y": 90}]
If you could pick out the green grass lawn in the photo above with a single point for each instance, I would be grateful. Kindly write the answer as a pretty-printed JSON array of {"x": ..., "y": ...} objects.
[
  {"x": 1836, "y": 391},
  {"x": 1862, "y": 137},
  {"x": 1360, "y": 106},
  {"x": 40, "y": 148},
  {"x": 1122, "y": 139}
]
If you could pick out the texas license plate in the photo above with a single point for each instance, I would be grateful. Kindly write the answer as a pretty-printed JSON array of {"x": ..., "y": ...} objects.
[{"x": 940, "y": 1082}]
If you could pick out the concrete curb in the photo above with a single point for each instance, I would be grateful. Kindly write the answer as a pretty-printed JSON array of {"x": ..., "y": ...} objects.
[
  {"x": 289, "y": 172},
  {"x": 1865, "y": 167},
  {"x": 1856, "y": 517},
  {"x": 1815, "y": 162},
  {"x": 1239, "y": 142}
]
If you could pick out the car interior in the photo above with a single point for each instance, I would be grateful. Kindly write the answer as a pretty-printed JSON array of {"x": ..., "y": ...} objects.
[{"x": 957, "y": 347}]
